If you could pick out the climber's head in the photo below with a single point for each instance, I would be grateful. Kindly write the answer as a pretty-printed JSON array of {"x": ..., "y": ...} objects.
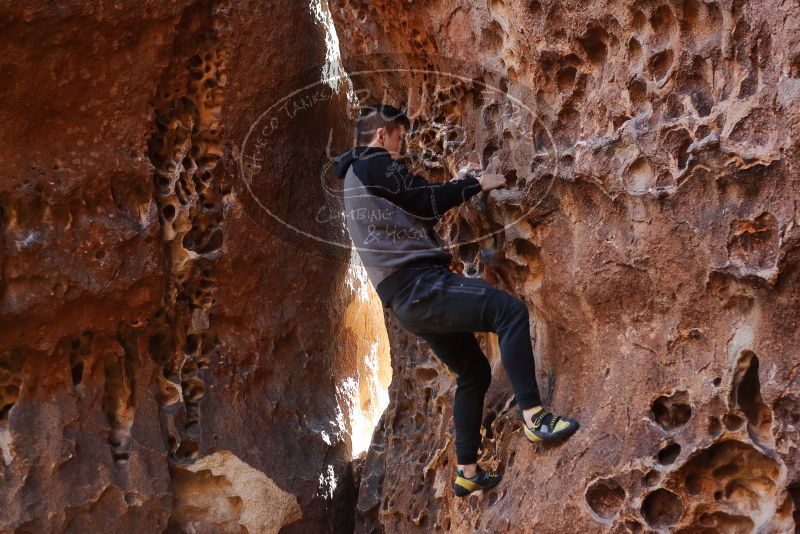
[{"x": 384, "y": 126}]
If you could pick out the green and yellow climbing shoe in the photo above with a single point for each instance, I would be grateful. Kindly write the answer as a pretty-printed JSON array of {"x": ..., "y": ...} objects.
[
  {"x": 549, "y": 427},
  {"x": 463, "y": 486}
]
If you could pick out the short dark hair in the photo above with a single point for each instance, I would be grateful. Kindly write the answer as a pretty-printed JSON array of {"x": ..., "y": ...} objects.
[{"x": 378, "y": 116}]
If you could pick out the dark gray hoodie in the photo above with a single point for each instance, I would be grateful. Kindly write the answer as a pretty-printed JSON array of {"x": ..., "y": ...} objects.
[{"x": 390, "y": 214}]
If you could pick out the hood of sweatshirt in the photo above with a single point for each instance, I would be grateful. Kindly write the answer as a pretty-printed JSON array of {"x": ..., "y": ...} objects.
[{"x": 343, "y": 161}]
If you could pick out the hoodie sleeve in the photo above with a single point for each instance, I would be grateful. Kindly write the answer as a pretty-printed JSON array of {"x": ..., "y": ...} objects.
[{"x": 393, "y": 181}]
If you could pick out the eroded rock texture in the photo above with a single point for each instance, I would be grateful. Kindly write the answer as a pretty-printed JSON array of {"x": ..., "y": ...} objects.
[
  {"x": 651, "y": 149},
  {"x": 166, "y": 362}
]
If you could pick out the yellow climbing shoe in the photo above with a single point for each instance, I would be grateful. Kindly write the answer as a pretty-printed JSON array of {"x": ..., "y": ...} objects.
[
  {"x": 549, "y": 427},
  {"x": 463, "y": 486}
]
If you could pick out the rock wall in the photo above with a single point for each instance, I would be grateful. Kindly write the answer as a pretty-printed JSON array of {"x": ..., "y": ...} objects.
[
  {"x": 167, "y": 360},
  {"x": 651, "y": 227}
]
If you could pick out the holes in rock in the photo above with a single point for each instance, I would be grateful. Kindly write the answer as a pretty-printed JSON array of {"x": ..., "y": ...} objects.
[
  {"x": 637, "y": 19},
  {"x": 492, "y": 36},
  {"x": 555, "y": 20},
  {"x": 118, "y": 403},
  {"x": 568, "y": 127},
  {"x": 80, "y": 347},
  {"x": 203, "y": 242},
  {"x": 732, "y": 422},
  {"x": 77, "y": 373},
  {"x": 717, "y": 381},
  {"x": 162, "y": 184},
  {"x": 488, "y": 152},
  {"x": 8, "y": 399},
  {"x": 668, "y": 454},
  {"x": 747, "y": 394},
  {"x": 633, "y": 526},
  {"x": 691, "y": 12},
  {"x": 702, "y": 21},
  {"x": 730, "y": 477},
  {"x": 658, "y": 65},
  {"x": 194, "y": 62},
  {"x": 169, "y": 212},
  {"x": 693, "y": 483},
  {"x": 193, "y": 390},
  {"x": 535, "y": 7},
  {"x": 673, "y": 107},
  {"x": 671, "y": 411},
  {"x": 618, "y": 120},
  {"x": 634, "y": 51},
  {"x": 702, "y": 102},
  {"x": 652, "y": 477},
  {"x": 794, "y": 67},
  {"x": 511, "y": 178},
  {"x": 491, "y": 115},
  {"x": 662, "y": 22},
  {"x": 605, "y": 497},
  {"x": 637, "y": 92},
  {"x": 594, "y": 45},
  {"x": 662, "y": 508},
  {"x": 100, "y": 254},
  {"x": 192, "y": 343},
  {"x": 565, "y": 78},
  {"x": 541, "y": 138},
  {"x": 714, "y": 426},
  {"x": 678, "y": 142},
  {"x": 794, "y": 492}
]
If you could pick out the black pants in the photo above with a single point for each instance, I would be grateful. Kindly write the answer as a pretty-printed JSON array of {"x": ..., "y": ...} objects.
[{"x": 444, "y": 309}]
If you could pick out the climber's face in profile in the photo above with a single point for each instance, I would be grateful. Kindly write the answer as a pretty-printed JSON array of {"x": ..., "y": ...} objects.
[{"x": 392, "y": 141}]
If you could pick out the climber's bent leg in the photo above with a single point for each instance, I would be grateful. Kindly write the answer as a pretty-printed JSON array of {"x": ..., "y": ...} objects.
[
  {"x": 440, "y": 301},
  {"x": 507, "y": 316},
  {"x": 461, "y": 353}
]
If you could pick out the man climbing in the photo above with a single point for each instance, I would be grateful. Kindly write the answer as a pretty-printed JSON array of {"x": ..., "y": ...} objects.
[{"x": 390, "y": 214}]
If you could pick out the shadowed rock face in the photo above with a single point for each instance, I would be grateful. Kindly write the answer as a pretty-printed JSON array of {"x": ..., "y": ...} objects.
[
  {"x": 652, "y": 158},
  {"x": 157, "y": 367}
]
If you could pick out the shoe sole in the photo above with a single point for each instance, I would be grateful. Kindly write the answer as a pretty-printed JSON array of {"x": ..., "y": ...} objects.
[
  {"x": 461, "y": 491},
  {"x": 556, "y": 436}
]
